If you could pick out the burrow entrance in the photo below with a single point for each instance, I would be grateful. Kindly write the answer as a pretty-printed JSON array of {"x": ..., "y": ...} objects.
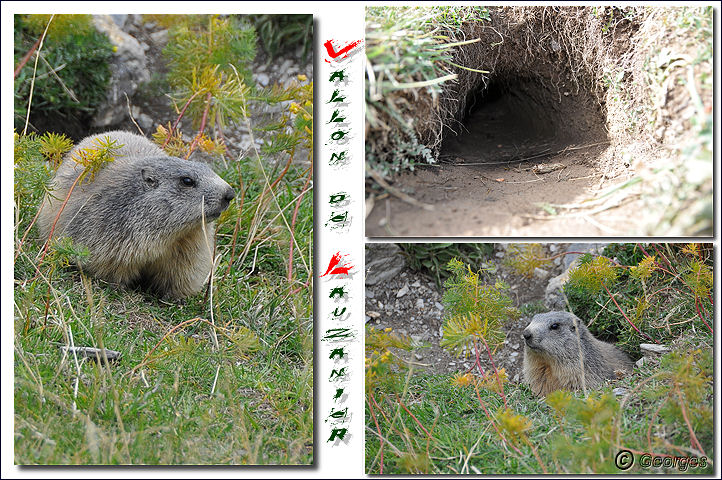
[
  {"x": 523, "y": 144},
  {"x": 513, "y": 120}
]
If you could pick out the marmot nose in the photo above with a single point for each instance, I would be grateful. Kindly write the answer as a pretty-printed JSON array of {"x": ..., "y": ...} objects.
[
  {"x": 230, "y": 195},
  {"x": 527, "y": 335}
]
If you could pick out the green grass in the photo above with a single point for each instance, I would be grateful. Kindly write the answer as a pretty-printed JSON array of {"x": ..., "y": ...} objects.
[
  {"x": 173, "y": 398},
  {"x": 462, "y": 440}
]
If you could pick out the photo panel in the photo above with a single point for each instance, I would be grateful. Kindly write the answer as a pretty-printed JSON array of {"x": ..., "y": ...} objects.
[
  {"x": 530, "y": 120},
  {"x": 163, "y": 261},
  {"x": 531, "y": 358}
]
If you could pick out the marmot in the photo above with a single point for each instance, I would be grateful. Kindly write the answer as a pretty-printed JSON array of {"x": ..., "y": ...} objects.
[
  {"x": 140, "y": 216},
  {"x": 551, "y": 355}
]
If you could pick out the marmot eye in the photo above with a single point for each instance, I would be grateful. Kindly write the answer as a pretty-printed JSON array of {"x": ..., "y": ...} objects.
[
  {"x": 553, "y": 326},
  {"x": 188, "y": 182}
]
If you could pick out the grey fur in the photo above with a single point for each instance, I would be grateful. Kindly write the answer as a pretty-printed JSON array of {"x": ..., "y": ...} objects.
[
  {"x": 142, "y": 225},
  {"x": 551, "y": 355}
]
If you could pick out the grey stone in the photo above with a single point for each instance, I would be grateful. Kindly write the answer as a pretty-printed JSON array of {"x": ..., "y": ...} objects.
[
  {"x": 383, "y": 262},
  {"x": 160, "y": 37},
  {"x": 653, "y": 348},
  {"x": 119, "y": 19},
  {"x": 262, "y": 79},
  {"x": 285, "y": 65},
  {"x": 540, "y": 273},
  {"x": 553, "y": 296},
  {"x": 581, "y": 247},
  {"x": 620, "y": 391},
  {"x": 145, "y": 122},
  {"x": 128, "y": 70}
]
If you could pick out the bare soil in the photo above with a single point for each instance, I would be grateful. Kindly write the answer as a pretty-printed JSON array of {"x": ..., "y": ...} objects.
[{"x": 521, "y": 149}]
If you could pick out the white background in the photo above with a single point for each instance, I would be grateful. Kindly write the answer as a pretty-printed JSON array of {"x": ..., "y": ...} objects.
[{"x": 332, "y": 20}]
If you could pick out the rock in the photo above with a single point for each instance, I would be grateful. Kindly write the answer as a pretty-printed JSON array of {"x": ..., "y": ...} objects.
[
  {"x": 145, "y": 122},
  {"x": 160, "y": 38},
  {"x": 370, "y": 294},
  {"x": 439, "y": 306},
  {"x": 553, "y": 296},
  {"x": 403, "y": 291},
  {"x": 652, "y": 348},
  {"x": 119, "y": 19},
  {"x": 620, "y": 391},
  {"x": 639, "y": 363},
  {"x": 285, "y": 66},
  {"x": 128, "y": 69},
  {"x": 383, "y": 262},
  {"x": 373, "y": 314},
  {"x": 540, "y": 273},
  {"x": 581, "y": 247},
  {"x": 136, "y": 19},
  {"x": 416, "y": 284},
  {"x": 262, "y": 79},
  {"x": 419, "y": 303}
]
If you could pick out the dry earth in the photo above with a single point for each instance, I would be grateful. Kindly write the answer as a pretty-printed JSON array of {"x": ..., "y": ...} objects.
[{"x": 499, "y": 175}]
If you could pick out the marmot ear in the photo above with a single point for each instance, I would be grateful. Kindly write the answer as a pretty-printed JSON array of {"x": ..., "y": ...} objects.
[{"x": 149, "y": 177}]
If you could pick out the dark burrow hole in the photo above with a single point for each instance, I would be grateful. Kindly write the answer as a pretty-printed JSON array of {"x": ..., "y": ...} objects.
[{"x": 513, "y": 119}]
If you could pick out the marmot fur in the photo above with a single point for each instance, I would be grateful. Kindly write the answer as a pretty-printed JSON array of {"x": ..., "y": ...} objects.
[
  {"x": 551, "y": 355},
  {"x": 140, "y": 216}
]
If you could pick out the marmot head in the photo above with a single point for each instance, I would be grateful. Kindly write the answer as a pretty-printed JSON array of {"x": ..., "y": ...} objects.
[
  {"x": 181, "y": 192},
  {"x": 554, "y": 334}
]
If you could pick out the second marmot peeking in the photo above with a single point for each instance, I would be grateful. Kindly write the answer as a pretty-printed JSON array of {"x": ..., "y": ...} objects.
[
  {"x": 552, "y": 355},
  {"x": 141, "y": 216}
]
